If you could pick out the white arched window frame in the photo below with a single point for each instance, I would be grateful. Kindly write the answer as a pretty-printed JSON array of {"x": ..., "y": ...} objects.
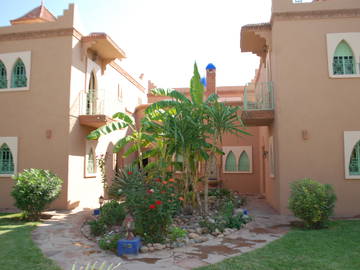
[
  {"x": 351, "y": 141},
  {"x": 237, "y": 151},
  {"x": 90, "y": 161},
  {"x": 353, "y": 41},
  {"x": 9, "y": 60},
  {"x": 12, "y": 143}
]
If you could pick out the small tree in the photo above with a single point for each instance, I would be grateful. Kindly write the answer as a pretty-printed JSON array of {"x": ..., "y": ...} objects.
[
  {"x": 34, "y": 190},
  {"x": 312, "y": 202}
]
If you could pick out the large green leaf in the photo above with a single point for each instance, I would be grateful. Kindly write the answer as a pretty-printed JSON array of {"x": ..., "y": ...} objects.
[
  {"x": 106, "y": 129},
  {"x": 121, "y": 143},
  {"x": 124, "y": 117},
  {"x": 196, "y": 87}
]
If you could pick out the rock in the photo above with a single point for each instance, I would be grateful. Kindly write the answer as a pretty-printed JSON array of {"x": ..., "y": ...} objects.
[
  {"x": 158, "y": 246},
  {"x": 144, "y": 249},
  {"x": 205, "y": 230},
  {"x": 204, "y": 238},
  {"x": 191, "y": 231},
  {"x": 220, "y": 235},
  {"x": 151, "y": 249},
  {"x": 149, "y": 245},
  {"x": 199, "y": 230},
  {"x": 194, "y": 236}
]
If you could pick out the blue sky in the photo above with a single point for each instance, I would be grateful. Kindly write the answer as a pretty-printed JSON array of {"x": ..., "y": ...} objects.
[{"x": 163, "y": 38}]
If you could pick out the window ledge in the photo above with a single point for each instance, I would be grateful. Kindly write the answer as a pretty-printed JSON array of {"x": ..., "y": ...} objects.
[
  {"x": 347, "y": 76},
  {"x": 14, "y": 89},
  {"x": 237, "y": 172},
  {"x": 6, "y": 175}
]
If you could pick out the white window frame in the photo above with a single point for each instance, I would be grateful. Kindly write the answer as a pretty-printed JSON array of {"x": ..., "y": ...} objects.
[
  {"x": 90, "y": 144},
  {"x": 353, "y": 40},
  {"x": 12, "y": 143},
  {"x": 9, "y": 60},
  {"x": 350, "y": 140},
  {"x": 237, "y": 150}
]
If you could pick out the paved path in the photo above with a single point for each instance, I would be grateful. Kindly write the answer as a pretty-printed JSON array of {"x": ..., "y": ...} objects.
[{"x": 60, "y": 239}]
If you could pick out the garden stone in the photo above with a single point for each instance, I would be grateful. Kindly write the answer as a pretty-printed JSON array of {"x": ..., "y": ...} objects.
[
  {"x": 151, "y": 249},
  {"x": 199, "y": 230},
  {"x": 144, "y": 249},
  {"x": 194, "y": 236},
  {"x": 204, "y": 238},
  {"x": 158, "y": 246},
  {"x": 220, "y": 235}
]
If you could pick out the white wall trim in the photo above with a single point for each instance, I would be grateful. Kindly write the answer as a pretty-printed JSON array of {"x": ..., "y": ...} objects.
[{"x": 333, "y": 40}]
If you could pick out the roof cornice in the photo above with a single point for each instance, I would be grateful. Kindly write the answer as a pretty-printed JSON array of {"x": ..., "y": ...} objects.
[
  {"x": 316, "y": 14},
  {"x": 40, "y": 34}
]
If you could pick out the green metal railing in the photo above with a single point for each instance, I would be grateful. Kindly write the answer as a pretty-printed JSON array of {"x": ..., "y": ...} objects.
[
  {"x": 92, "y": 102},
  {"x": 263, "y": 100}
]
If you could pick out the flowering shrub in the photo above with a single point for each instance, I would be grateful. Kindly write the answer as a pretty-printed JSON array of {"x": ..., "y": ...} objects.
[{"x": 152, "y": 203}]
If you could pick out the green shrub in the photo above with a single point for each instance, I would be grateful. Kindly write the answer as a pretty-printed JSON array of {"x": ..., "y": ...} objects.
[
  {"x": 176, "y": 233},
  {"x": 34, "y": 190},
  {"x": 112, "y": 213},
  {"x": 109, "y": 242},
  {"x": 97, "y": 227},
  {"x": 312, "y": 202}
]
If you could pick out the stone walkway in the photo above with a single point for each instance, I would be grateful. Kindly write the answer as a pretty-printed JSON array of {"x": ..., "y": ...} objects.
[{"x": 60, "y": 239}]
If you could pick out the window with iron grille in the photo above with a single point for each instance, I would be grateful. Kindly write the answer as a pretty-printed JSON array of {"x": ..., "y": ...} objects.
[
  {"x": 343, "y": 60},
  {"x": 19, "y": 75},
  {"x": 6, "y": 160},
  {"x": 354, "y": 166},
  {"x": 3, "y": 76}
]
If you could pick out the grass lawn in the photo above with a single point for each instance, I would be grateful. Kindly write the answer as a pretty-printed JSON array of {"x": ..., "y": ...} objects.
[
  {"x": 17, "y": 250},
  {"x": 337, "y": 247}
]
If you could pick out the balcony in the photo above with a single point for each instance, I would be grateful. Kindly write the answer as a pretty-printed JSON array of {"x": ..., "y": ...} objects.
[
  {"x": 258, "y": 110},
  {"x": 92, "y": 109}
]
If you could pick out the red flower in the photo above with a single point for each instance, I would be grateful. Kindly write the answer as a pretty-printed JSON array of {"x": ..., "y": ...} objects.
[
  {"x": 129, "y": 173},
  {"x": 150, "y": 191},
  {"x": 164, "y": 182},
  {"x": 172, "y": 180},
  {"x": 158, "y": 180},
  {"x": 158, "y": 202},
  {"x": 163, "y": 191},
  {"x": 152, "y": 206},
  {"x": 181, "y": 198}
]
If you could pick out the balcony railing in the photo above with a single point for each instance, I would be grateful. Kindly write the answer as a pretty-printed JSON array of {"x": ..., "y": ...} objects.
[
  {"x": 263, "y": 100},
  {"x": 92, "y": 102}
]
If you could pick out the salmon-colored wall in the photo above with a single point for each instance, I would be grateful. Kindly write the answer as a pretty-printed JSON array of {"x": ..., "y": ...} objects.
[
  {"x": 243, "y": 182},
  {"x": 307, "y": 99},
  {"x": 32, "y": 112}
]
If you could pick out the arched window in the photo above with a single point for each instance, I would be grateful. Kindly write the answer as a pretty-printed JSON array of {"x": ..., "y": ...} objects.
[
  {"x": 343, "y": 62},
  {"x": 91, "y": 95},
  {"x": 6, "y": 160},
  {"x": 3, "y": 76},
  {"x": 244, "y": 162},
  {"x": 91, "y": 163},
  {"x": 230, "y": 163},
  {"x": 19, "y": 75},
  {"x": 354, "y": 166}
]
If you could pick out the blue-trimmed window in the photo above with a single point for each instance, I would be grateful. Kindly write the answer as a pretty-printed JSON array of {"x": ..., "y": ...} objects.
[
  {"x": 18, "y": 78},
  {"x": 3, "y": 76},
  {"x": 6, "y": 160}
]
